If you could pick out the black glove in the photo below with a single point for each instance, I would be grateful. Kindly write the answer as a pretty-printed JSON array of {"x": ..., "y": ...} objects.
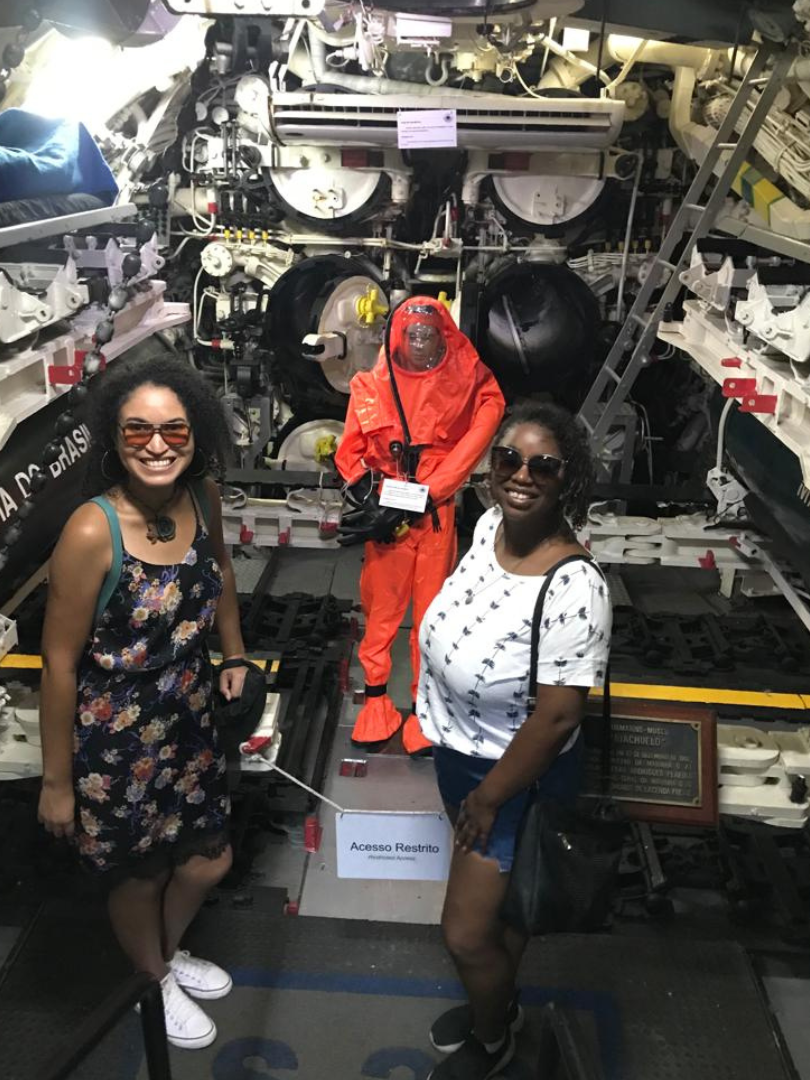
[
  {"x": 358, "y": 493},
  {"x": 370, "y": 522}
]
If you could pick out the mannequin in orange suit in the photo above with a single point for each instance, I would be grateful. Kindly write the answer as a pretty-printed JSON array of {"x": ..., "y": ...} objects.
[{"x": 452, "y": 407}]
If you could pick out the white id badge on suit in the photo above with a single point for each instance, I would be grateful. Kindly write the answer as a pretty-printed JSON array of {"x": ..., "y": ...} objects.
[{"x": 403, "y": 495}]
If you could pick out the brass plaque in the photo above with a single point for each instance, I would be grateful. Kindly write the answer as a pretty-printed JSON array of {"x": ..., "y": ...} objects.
[{"x": 663, "y": 761}]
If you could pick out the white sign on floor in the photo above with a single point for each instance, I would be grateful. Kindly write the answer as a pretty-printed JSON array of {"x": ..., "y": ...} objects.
[{"x": 393, "y": 846}]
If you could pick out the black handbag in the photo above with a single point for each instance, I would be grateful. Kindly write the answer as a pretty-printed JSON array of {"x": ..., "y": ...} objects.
[
  {"x": 567, "y": 853},
  {"x": 236, "y": 720}
]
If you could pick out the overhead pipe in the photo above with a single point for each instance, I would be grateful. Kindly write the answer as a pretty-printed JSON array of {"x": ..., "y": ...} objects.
[
  {"x": 690, "y": 64},
  {"x": 313, "y": 68},
  {"x": 609, "y": 89},
  {"x": 800, "y": 71},
  {"x": 686, "y": 133},
  {"x": 784, "y": 216},
  {"x": 585, "y": 64},
  {"x": 704, "y": 61},
  {"x": 568, "y": 71},
  {"x": 317, "y": 72}
]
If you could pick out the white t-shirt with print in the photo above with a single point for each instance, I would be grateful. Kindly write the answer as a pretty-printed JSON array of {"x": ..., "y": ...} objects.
[{"x": 475, "y": 643}]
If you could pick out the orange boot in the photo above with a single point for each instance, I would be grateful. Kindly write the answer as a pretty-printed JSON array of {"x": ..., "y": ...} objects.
[
  {"x": 385, "y": 589},
  {"x": 377, "y": 721},
  {"x": 413, "y": 740}
]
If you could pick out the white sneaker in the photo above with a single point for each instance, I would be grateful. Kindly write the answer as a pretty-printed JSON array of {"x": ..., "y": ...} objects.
[
  {"x": 187, "y": 1026},
  {"x": 200, "y": 978}
]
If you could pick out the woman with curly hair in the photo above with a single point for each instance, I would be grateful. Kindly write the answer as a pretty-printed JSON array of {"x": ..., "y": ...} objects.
[
  {"x": 132, "y": 770},
  {"x": 473, "y": 704}
]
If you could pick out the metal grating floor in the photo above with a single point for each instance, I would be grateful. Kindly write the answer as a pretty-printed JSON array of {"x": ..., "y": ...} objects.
[
  {"x": 664, "y": 1009},
  {"x": 687, "y": 1010}
]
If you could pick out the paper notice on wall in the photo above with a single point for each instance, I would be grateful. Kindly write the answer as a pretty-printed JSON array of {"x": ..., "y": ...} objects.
[
  {"x": 576, "y": 40},
  {"x": 393, "y": 846},
  {"x": 425, "y": 129},
  {"x": 420, "y": 28}
]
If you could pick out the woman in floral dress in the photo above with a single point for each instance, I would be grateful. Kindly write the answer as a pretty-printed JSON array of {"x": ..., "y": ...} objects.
[{"x": 132, "y": 769}]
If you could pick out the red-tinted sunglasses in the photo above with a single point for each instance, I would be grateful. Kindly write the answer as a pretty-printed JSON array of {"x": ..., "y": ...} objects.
[
  {"x": 505, "y": 462},
  {"x": 138, "y": 435}
]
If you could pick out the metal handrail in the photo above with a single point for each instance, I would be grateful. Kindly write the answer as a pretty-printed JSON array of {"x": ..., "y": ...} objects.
[{"x": 143, "y": 989}]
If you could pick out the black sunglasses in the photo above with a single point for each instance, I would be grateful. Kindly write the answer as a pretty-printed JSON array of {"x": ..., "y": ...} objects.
[{"x": 505, "y": 462}]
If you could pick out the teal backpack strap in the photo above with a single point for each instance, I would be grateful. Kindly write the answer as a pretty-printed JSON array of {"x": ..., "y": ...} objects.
[
  {"x": 114, "y": 573},
  {"x": 202, "y": 500}
]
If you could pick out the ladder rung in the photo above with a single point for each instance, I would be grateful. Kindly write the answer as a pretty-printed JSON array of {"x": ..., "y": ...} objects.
[{"x": 603, "y": 402}]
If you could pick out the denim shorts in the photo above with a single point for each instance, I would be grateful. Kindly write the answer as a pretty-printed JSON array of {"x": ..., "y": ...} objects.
[{"x": 457, "y": 774}]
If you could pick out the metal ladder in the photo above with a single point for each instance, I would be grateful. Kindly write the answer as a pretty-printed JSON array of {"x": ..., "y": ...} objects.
[{"x": 600, "y": 409}]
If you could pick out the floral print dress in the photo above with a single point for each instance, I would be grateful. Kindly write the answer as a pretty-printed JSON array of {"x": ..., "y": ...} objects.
[{"x": 150, "y": 781}]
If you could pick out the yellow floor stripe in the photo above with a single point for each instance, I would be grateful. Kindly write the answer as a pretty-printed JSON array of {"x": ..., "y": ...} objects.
[
  {"x": 21, "y": 661},
  {"x": 709, "y": 695},
  {"x": 27, "y": 662},
  {"x": 705, "y": 695}
]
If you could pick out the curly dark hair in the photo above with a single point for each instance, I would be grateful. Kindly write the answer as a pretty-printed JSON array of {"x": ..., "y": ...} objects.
[
  {"x": 580, "y": 471},
  {"x": 109, "y": 391}
]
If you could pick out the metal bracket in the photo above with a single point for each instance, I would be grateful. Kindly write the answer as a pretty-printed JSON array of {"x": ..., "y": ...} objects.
[
  {"x": 87, "y": 219},
  {"x": 730, "y": 494}
]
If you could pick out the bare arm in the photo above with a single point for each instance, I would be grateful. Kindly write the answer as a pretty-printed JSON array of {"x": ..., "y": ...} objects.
[
  {"x": 530, "y": 754},
  {"x": 227, "y": 617},
  {"x": 76, "y": 574}
]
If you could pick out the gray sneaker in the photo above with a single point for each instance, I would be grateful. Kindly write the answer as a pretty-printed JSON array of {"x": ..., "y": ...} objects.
[{"x": 454, "y": 1026}]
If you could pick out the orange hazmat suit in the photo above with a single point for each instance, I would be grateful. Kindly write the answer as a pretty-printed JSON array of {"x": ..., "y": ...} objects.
[{"x": 452, "y": 406}]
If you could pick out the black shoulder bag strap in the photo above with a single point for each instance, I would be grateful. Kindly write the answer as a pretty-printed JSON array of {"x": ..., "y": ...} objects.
[
  {"x": 534, "y": 649},
  {"x": 406, "y": 431}
]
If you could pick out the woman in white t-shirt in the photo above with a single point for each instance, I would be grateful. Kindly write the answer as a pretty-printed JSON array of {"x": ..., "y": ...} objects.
[{"x": 472, "y": 704}]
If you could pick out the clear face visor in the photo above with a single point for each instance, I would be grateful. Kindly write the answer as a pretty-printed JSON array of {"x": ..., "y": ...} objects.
[
  {"x": 419, "y": 334},
  {"x": 421, "y": 346}
]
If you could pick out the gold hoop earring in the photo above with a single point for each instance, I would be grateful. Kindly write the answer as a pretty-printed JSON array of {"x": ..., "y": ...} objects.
[
  {"x": 102, "y": 469},
  {"x": 202, "y": 468}
]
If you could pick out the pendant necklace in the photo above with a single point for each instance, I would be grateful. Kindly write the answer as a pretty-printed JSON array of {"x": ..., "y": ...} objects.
[
  {"x": 161, "y": 528},
  {"x": 505, "y": 574},
  {"x": 472, "y": 593}
]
